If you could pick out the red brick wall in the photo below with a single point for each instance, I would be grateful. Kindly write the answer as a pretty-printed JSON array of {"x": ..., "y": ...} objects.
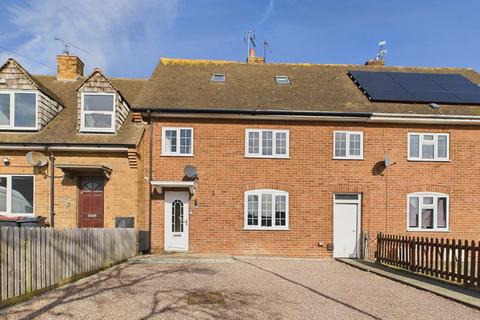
[{"x": 311, "y": 177}]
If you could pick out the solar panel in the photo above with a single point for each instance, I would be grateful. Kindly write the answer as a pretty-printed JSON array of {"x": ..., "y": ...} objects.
[{"x": 416, "y": 87}]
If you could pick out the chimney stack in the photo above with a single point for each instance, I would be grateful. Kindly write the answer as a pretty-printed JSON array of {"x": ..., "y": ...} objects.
[
  {"x": 254, "y": 60},
  {"x": 69, "y": 67},
  {"x": 374, "y": 62}
]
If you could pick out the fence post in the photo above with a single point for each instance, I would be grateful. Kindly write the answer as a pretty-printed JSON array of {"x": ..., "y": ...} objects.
[
  {"x": 412, "y": 253},
  {"x": 378, "y": 252}
]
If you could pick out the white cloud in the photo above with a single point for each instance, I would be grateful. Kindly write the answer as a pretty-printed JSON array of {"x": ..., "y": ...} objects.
[
  {"x": 113, "y": 32},
  {"x": 267, "y": 12}
]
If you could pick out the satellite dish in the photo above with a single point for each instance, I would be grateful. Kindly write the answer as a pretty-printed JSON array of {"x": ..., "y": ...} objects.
[
  {"x": 388, "y": 162},
  {"x": 190, "y": 171},
  {"x": 36, "y": 159}
]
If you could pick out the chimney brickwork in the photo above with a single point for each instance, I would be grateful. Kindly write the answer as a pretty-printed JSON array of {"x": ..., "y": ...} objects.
[{"x": 69, "y": 67}]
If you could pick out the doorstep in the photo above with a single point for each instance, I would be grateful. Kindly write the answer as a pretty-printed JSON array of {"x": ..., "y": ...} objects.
[
  {"x": 180, "y": 258},
  {"x": 468, "y": 297}
]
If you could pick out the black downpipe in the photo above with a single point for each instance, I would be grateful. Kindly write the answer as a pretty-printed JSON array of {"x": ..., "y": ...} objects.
[
  {"x": 150, "y": 184},
  {"x": 52, "y": 190}
]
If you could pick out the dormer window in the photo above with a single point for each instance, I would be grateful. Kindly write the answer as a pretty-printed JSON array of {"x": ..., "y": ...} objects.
[
  {"x": 18, "y": 110},
  {"x": 218, "y": 77},
  {"x": 98, "y": 112},
  {"x": 282, "y": 80}
]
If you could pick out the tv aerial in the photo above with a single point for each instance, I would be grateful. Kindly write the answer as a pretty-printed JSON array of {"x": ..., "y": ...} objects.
[
  {"x": 68, "y": 44},
  {"x": 381, "y": 50}
]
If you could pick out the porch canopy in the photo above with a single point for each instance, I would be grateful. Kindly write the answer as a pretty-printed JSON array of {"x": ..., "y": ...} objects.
[
  {"x": 73, "y": 170},
  {"x": 160, "y": 185}
]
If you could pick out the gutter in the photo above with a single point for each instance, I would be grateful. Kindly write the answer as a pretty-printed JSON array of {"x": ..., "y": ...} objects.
[
  {"x": 43, "y": 147},
  {"x": 372, "y": 117}
]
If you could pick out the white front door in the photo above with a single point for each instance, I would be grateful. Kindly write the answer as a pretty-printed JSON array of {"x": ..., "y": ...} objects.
[
  {"x": 346, "y": 225},
  {"x": 176, "y": 221}
]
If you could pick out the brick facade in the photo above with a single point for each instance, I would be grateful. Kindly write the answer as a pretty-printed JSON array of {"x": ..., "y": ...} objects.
[
  {"x": 311, "y": 177},
  {"x": 124, "y": 183}
]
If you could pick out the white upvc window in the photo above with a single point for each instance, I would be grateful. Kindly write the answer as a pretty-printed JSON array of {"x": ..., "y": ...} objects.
[
  {"x": 17, "y": 194},
  {"x": 266, "y": 209},
  {"x": 265, "y": 143},
  {"x": 177, "y": 142},
  {"x": 428, "y": 146},
  {"x": 348, "y": 145},
  {"x": 427, "y": 211},
  {"x": 18, "y": 110},
  {"x": 98, "y": 112}
]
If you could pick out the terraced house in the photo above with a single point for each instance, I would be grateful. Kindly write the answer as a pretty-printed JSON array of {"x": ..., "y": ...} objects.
[
  {"x": 84, "y": 126},
  {"x": 248, "y": 158}
]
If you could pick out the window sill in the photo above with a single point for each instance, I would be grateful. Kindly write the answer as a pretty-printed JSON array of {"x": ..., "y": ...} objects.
[
  {"x": 427, "y": 160},
  {"x": 266, "y": 229},
  {"x": 97, "y": 131},
  {"x": 177, "y": 155},
  {"x": 17, "y": 214},
  {"x": 346, "y": 158},
  {"x": 428, "y": 230},
  {"x": 17, "y": 129},
  {"x": 267, "y": 157}
]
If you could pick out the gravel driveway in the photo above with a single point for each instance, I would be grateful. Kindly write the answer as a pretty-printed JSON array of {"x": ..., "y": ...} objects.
[{"x": 253, "y": 288}]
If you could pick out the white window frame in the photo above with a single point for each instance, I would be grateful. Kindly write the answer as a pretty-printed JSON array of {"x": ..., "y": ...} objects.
[
  {"x": 348, "y": 156},
  {"x": 277, "y": 78},
  {"x": 274, "y": 144},
  {"x": 9, "y": 195},
  {"x": 434, "y": 206},
  {"x": 168, "y": 153},
  {"x": 435, "y": 144},
  {"x": 112, "y": 113},
  {"x": 11, "y": 125},
  {"x": 259, "y": 193},
  {"x": 212, "y": 79}
]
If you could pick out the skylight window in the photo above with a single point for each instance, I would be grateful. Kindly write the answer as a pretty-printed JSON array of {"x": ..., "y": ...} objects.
[
  {"x": 218, "y": 77},
  {"x": 282, "y": 80}
]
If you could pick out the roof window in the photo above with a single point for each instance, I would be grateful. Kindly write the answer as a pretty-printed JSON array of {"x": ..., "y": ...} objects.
[
  {"x": 283, "y": 80},
  {"x": 218, "y": 77}
]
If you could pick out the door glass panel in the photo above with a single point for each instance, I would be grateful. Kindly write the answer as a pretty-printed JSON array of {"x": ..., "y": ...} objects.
[
  {"x": 177, "y": 216},
  {"x": 346, "y": 196}
]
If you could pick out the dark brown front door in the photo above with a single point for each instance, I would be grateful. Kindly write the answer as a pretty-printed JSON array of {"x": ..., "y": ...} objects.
[{"x": 90, "y": 202}]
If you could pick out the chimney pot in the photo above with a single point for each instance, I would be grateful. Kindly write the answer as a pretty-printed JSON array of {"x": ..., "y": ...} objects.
[
  {"x": 252, "y": 59},
  {"x": 69, "y": 67}
]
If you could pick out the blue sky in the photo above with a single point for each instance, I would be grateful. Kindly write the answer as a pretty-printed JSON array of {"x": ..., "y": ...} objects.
[{"x": 126, "y": 38}]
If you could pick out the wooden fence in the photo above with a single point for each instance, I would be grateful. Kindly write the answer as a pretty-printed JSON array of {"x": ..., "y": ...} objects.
[
  {"x": 36, "y": 259},
  {"x": 453, "y": 260}
]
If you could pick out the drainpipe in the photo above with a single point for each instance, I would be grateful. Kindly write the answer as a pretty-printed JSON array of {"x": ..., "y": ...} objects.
[
  {"x": 52, "y": 190},
  {"x": 150, "y": 119}
]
